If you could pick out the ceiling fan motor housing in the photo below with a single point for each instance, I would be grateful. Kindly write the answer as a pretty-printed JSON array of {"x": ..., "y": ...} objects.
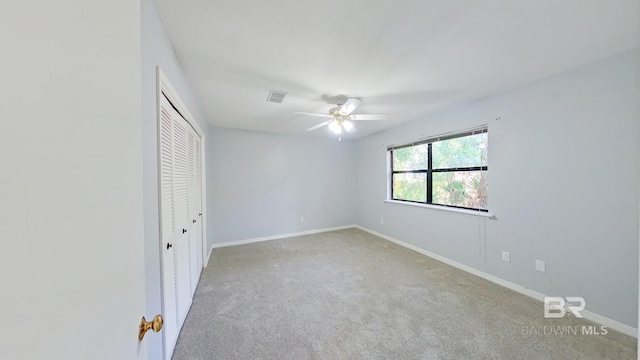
[{"x": 340, "y": 100}]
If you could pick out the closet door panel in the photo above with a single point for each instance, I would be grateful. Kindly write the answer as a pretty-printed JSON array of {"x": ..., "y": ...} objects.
[
  {"x": 168, "y": 235},
  {"x": 180, "y": 172},
  {"x": 180, "y": 168},
  {"x": 182, "y": 223},
  {"x": 198, "y": 204},
  {"x": 194, "y": 208}
]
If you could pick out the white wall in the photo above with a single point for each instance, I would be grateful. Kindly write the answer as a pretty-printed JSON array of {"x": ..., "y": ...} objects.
[
  {"x": 71, "y": 263},
  {"x": 261, "y": 183},
  {"x": 157, "y": 51},
  {"x": 563, "y": 183}
]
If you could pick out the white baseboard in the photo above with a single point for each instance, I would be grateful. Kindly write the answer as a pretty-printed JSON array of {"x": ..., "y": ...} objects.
[
  {"x": 280, "y": 236},
  {"x": 599, "y": 319}
]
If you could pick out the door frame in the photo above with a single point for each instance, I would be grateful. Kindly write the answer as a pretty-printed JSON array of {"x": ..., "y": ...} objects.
[{"x": 164, "y": 88}]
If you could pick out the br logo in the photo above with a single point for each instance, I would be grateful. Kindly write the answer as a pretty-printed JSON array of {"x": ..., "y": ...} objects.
[{"x": 556, "y": 307}]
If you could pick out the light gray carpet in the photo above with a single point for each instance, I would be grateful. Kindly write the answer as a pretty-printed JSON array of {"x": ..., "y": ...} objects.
[{"x": 351, "y": 295}]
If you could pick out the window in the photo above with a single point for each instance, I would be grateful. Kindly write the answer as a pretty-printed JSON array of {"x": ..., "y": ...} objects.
[{"x": 447, "y": 170}]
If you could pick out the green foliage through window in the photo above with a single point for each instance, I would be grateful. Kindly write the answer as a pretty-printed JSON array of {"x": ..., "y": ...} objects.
[
  {"x": 410, "y": 186},
  {"x": 467, "y": 151},
  {"x": 410, "y": 158},
  {"x": 449, "y": 171}
]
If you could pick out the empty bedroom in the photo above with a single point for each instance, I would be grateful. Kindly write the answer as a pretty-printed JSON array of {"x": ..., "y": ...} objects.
[
  {"x": 352, "y": 179},
  {"x": 415, "y": 180}
]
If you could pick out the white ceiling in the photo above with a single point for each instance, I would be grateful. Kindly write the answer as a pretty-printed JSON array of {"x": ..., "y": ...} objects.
[{"x": 404, "y": 57}]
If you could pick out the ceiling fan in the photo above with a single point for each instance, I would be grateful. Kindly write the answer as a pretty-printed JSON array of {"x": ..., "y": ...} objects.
[{"x": 342, "y": 117}]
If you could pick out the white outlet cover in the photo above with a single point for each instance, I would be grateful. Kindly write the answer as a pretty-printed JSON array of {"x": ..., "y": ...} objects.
[
  {"x": 381, "y": 221},
  {"x": 541, "y": 266},
  {"x": 506, "y": 256}
]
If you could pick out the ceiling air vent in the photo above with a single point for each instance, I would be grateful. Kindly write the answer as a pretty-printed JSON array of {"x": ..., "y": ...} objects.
[{"x": 276, "y": 96}]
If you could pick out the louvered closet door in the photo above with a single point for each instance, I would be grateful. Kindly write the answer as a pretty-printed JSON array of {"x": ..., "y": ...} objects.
[
  {"x": 195, "y": 208},
  {"x": 181, "y": 220},
  {"x": 168, "y": 235},
  {"x": 198, "y": 190},
  {"x": 181, "y": 212}
]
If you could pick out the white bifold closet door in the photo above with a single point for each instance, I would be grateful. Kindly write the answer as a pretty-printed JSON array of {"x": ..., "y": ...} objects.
[
  {"x": 181, "y": 218},
  {"x": 195, "y": 208}
]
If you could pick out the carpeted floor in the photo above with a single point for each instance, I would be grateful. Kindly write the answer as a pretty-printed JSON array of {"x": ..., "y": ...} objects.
[{"x": 351, "y": 295}]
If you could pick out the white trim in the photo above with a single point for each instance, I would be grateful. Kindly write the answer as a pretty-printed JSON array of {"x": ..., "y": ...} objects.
[
  {"x": 280, "y": 236},
  {"x": 161, "y": 239},
  {"x": 612, "y": 324},
  {"x": 452, "y": 210}
]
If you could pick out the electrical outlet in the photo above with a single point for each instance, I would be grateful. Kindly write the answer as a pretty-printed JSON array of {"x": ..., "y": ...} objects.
[
  {"x": 381, "y": 221},
  {"x": 541, "y": 266},
  {"x": 506, "y": 256},
  {"x": 301, "y": 218}
]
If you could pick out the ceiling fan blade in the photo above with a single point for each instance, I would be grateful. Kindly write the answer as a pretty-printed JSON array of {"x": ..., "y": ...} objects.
[
  {"x": 369, "y": 117},
  {"x": 312, "y": 114},
  {"x": 349, "y": 106},
  {"x": 318, "y": 126}
]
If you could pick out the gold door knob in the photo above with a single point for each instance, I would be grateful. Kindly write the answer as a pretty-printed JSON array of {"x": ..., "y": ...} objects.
[{"x": 155, "y": 325}]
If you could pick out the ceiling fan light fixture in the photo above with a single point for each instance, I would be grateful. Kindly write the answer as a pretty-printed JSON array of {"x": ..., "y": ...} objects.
[{"x": 341, "y": 118}]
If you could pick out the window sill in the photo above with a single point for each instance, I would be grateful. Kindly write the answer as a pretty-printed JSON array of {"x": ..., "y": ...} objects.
[{"x": 465, "y": 212}]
